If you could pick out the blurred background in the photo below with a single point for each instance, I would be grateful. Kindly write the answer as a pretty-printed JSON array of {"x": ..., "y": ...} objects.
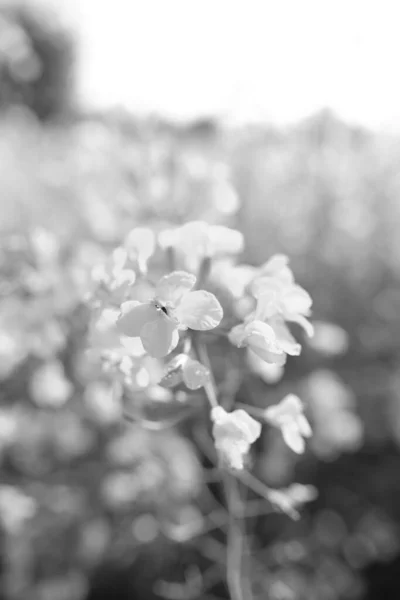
[{"x": 281, "y": 121}]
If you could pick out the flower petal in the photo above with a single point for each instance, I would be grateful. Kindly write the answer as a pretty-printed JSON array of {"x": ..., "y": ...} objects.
[
  {"x": 278, "y": 267},
  {"x": 266, "y": 285},
  {"x": 285, "y": 339},
  {"x": 297, "y": 301},
  {"x": 140, "y": 243},
  {"x": 159, "y": 337},
  {"x": 237, "y": 335},
  {"x": 275, "y": 264},
  {"x": 233, "y": 433},
  {"x": 293, "y": 438},
  {"x": 267, "y": 305},
  {"x": 134, "y": 316},
  {"x": 194, "y": 237},
  {"x": 304, "y": 426},
  {"x": 250, "y": 427},
  {"x": 173, "y": 287},
  {"x": 303, "y": 322},
  {"x": 291, "y": 405},
  {"x": 268, "y": 372},
  {"x": 195, "y": 375},
  {"x": 173, "y": 375},
  {"x": 224, "y": 240},
  {"x": 272, "y": 358},
  {"x": 199, "y": 310},
  {"x": 287, "y": 410},
  {"x": 118, "y": 259},
  {"x": 103, "y": 333},
  {"x": 166, "y": 238},
  {"x": 261, "y": 337}
]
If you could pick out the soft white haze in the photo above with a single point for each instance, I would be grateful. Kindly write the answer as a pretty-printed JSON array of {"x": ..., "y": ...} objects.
[{"x": 276, "y": 60}]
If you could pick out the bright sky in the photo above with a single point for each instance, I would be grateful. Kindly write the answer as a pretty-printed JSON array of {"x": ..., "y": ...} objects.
[{"x": 277, "y": 60}]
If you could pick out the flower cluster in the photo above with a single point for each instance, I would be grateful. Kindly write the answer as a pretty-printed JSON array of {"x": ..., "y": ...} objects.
[
  {"x": 137, "y": 320},
  {"x": 278, "y": 300}
]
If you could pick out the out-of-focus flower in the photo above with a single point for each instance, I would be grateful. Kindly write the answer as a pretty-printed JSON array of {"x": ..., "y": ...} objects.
[
  {"x": 45, "y": 246},
  {"x": 12, "y": 351},
  {"x": 9, "y": 421},
  {"x": 122, "y": 366},
  {"x": 233, "y": 434},
  {"x": 184, "y": 523},
  {"x": 235, "y": 278},
  {"x": 278, "y": 268},
  {"x": 226, "y": 198},
  {"x": 293, "y": 497},
  {"x": 288, "y": 416},
  {"x": 260, "y": 338},
  {"x": 102, "y": 403},
  {"x": 103, "y": 333},
  {"x": 183, "y": 369},
  {"x": 145, "y": 528},
  {"x": 270, "y": 373},
  {"x": 197, "y": 240},
  {"x": 112, "y": 281},
  {"x": 140, "y": 245},
  {"x": 49, "y": 386},
  {"x": 120, "y": 489},
  {"x": 337, "y": 427},
  {"x": 133, "y": 371},
  {"x": 329, "y": 339},
  {"x": 174, "y": 308},
  {"x": 15, "y": 507}
]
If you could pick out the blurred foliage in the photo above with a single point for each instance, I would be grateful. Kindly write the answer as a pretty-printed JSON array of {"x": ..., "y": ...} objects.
[
  {"x": 36, "y": 59},
  {"x": 80, "y": 487}
]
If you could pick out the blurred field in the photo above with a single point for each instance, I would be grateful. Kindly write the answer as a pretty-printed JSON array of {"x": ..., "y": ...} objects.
[{"x": 80, "y": 488}]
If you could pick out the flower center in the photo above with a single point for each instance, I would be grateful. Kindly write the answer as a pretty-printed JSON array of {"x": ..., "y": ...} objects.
[{"x": 162, "y": 308}]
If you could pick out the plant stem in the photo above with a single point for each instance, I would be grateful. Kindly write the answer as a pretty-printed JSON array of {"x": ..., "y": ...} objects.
[
  {"x": 209, "y": 387},
  {"x": 235, "y": 546},
  {"x": 238, "y": 584}
]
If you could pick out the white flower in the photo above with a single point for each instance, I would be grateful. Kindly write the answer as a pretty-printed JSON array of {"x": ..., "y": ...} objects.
[
  {"x": 174, "y": 307},
  {"x": 259, "y": 338},
  {"x": 197, "y": 240},
  {"x": 278, "y": 294},
  {"x": 288, "y": 416},
  {"x": 112, "y": 281},
  {"x": 140, "y": 245},
  {"x": 233, "y": 434}
]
